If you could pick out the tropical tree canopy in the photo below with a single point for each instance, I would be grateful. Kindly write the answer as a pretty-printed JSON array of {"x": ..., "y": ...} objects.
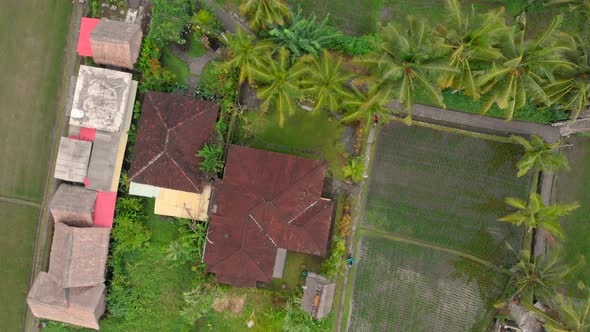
[
  {"x": 265, "y": 13},
  {"x": 535, "y": 214},
  {"x": 364, "y": 105},
  {"x": 539, "y": 155},
  {"x": 408, "y": 60},
  {"x": 472, "y": 40},
  {"x": 572, "y": 88},
  {"x": 326, "y": 82},
  {"x": 282, "y": 84},
  {"x": 526, "y": 67},
  {"x": 247, "y": 54}
]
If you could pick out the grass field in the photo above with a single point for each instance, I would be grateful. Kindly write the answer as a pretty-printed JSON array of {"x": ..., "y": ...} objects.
[
  {"x": 304, "y": 132},
  {"x": 32, "y": 35},
  {"x": 176, "y": 66},
  {"x": 414, "y": 288},
  {"x": 444, "y": 189},
  {"x": 575, "y": 186}
]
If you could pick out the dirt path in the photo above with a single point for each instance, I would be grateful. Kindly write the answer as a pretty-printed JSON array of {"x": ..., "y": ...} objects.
[{"x": 71, "y": 60}]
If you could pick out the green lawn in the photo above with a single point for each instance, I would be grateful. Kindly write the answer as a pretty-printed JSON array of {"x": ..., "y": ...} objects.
[
  {"x": 304, "y": 133},
  {"x": 176, "y": 66},
  {"x": 295, "y": 264},
  {"x": 575, "y": 186},
  {"x": 403, "y": 287},
  {"x": 196, "y": 49},
  {"x": 16, "y": 254},
  {"x": 32, "y": 35},
  {"x": 444, "y": 189}
]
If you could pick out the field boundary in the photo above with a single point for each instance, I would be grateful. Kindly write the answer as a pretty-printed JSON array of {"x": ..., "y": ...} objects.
[
  {"x": 43, "y": 223},
  {"x": 19, "y": 201}
]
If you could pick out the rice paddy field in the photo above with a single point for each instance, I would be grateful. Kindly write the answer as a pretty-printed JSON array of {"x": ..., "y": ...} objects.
[
  {"x": 405, "y": 287},
  {"x": 429, "y": 239},
  {"x": 32, "y": 38}
]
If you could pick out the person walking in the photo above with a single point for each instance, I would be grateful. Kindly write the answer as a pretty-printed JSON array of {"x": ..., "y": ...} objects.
[{"x": 375, "y": 119}]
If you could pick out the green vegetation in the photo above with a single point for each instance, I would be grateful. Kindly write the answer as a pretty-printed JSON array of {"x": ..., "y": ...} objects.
[
  {"x": 247, "y": 55},
  {"x": 265, "y": 13},
  {"x": 176, "y": 66},
  {"x": 419, "y": 289},
  {"x": 169, "y": 20},
  {"x": 295, "y": 264},
  {"x": 304, "y": 133},
  {"x": 33, "y": 35},
  {"x": 212, "y": 158},
  {"x": 196, "y": 49}
]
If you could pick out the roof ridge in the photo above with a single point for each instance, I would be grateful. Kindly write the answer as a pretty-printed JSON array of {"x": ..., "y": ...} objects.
[
  {"x": 258, "y": 267},
  {"x": 249, "y": 179},
  {"x": 180, "y": 168},
  {"x": 262, "y": 229},
  {"x": 196, "y": 115},
  {"x": 157, "y": 109},
  {"x": 298, "y": 181},
  {"x": 147, "y": 165}
]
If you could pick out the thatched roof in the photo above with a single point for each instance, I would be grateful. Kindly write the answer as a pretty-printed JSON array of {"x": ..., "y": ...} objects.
[
  {"x": 73, "y": 205},
  {"x": 78, "y": 255},
  {"x": 102, "y": 95},
  {"x": 72, "y": 159},
  {"x": 115, "y": 43},
  {"x": 77, "y": 306},
  {"x": 318, "y": 295}
]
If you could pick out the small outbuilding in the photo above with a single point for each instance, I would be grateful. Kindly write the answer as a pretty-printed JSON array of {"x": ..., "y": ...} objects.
[
  {"x": 78, "y": 306},
  {"x": 115, "y": 43},
  {"x": 73, "y": 205},
  {"x": 78, "y": 255},
  {"x": 318, "y": 295},
  {"x": 72, "y": 161}
]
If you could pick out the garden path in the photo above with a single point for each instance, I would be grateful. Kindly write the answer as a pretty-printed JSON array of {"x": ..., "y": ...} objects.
[
  {"x": 230, "y": 21},
  {"x": 195, "y": 65},
  {"x": 549, "y": 133}
]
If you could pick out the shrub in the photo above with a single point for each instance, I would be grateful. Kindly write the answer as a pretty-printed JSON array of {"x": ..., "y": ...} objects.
[
  {"x": 355, "y": 46},
  {"x": 130, "y": 232},
  {"x": 332, "y": 266},
  {"x": 154, "y": 76},
  {"x": 94, "y": 9},
  {"x": 355, "y": 169},
  {"x": 206, "y": 23},
  {"x": 297, "y": 320},
  {"x": 198, "y": 302},
  {"x": 190, "y": 243},
  {"x": 212, "y": 158},
  {"x": 170, "y": 18},
  {"x": 344, "y": 225}
]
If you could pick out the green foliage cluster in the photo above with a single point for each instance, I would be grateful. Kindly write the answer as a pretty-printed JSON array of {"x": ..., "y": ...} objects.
[
  {"x": 332, "y": 266},
  {"x": 170, "y": 19},
  {"x": 355, "y": 168},
  {"x": 218, "y": 82},
  {"x": 190, "y": 243},
  {"x": 355, "y": 46},
  {"x": 205, "y": 22},
  {"x": 297, "y": 320},
  {"x": 94, "y": 9},
  {"x": 305, "y": 35},
  {"x": 198, "y": 302},
  {"x": 154, "y": 76},
  {"x": 212, "y": 155}
]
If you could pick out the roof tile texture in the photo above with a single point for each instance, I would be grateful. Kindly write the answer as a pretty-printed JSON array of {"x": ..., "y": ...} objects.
[{"x": 172, "y": 129}]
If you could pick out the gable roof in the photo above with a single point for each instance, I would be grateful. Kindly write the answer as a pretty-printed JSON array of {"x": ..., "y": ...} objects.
[
  {"x": 86, "y": 26},
  {"x": 172, "y": 129},
  {"x": 266, "y": 201},
  {"x": 78, "y": 255}
]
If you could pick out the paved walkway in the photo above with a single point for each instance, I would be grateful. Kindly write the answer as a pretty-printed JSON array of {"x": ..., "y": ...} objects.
[
  {"x": 41, "y": 246},
  {"x": 195, "y": 66},
  {"x": 549, "y": 133},
  {"x": 230, "y": 21}
]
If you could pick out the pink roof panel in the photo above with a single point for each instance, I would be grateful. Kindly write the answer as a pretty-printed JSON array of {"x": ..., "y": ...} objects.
[
  {"x": 87, "y": 25},
  {"x": 104, "y": 209}
]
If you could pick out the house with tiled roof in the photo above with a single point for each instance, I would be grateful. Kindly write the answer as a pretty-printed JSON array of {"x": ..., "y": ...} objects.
[
  {"x": 268, "y": 203},
  {"x": 171, "y": 131}
]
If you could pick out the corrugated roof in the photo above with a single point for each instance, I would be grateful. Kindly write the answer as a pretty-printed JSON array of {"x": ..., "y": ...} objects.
[
  {"x": 266, "y": 201},
  {"x": 72, "y": 160},
  {"x": 172, "y": 129},
  {"x": 86, "y": 26}
]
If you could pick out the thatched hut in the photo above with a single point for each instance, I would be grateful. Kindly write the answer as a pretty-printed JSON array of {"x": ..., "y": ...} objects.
[
  {"x": 72, "y": 161},
  {"x": 73, "y": 205},
  {"x": 115, "y": 43},
  {"x": 318, "y": 295},
  {"x": 78, "y": 255},
  {"x": 77, "y": 306}
]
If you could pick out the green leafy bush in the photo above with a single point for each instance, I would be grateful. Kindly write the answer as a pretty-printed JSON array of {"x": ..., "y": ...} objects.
[
  {"x": 304, "y": 35},
  {"x": 94, "y": 9},
  {"x": 130, "y": 232},
  {"x": 355, "y": 46},
  {"x": 297, "y": 320},
  {"x": 355, "y": 169},
  {"x": 190, "y": 243},
  {"x": 198, "y": 302},
  {"x": 212, "y": 158},
  {"x": 332, "y": 266},
  {"x": 205, "y": 22},
  {"x": 154, "y": 76},
  {"x": 170, "y": 18}
]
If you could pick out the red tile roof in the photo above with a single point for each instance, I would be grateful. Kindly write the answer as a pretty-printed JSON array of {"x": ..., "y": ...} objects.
[
  {"x": 172, "y": 129},
  {"x": 86, "y": 26},
  {"x": 266, "y": 200}
]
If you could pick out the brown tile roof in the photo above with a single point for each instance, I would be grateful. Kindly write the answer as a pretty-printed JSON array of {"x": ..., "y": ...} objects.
[
  {"x": 78, "y": 255},
  {"x": 172, "y": 129},
  {"x": 266, "y": 201}
]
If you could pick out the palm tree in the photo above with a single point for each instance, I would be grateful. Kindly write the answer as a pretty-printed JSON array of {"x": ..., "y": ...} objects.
[
  {"x": 525, "y": 68},
  {"x": 574, "y": 314},
  {"x": 364, "y": 105},
  {"x": 265, "y": 13},
  {"x": 539, "y": 156},
  {"x": 471, "y": 39},
  {"x": 573, "y": 90},
  {"x": 247, "y": 54},
  {"x": 409, "y": 59},
  {"x": 326, "y": 82},
  {"x": 535, "y": 214},
  {"x": 282, "y": 84}
]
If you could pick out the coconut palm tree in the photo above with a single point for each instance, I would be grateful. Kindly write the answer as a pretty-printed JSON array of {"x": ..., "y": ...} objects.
[
  {"x": 281, "y": 84},
  {"x": 539, "y": 155},
  {"x": 573, "y": 91},
  {"x": 409, "y": 59},
  {"x": 246, "y": 54},
  {"x": 472, "y": 40},
  {"x": 364, "y": 104},
  {"x": 326, "y": 81},
  {"x": 265, "y": 13},
  {"x": 535, "y": 214},
  {"x": 526, "y": 67},
  {"x": 573, "y": 313}
]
